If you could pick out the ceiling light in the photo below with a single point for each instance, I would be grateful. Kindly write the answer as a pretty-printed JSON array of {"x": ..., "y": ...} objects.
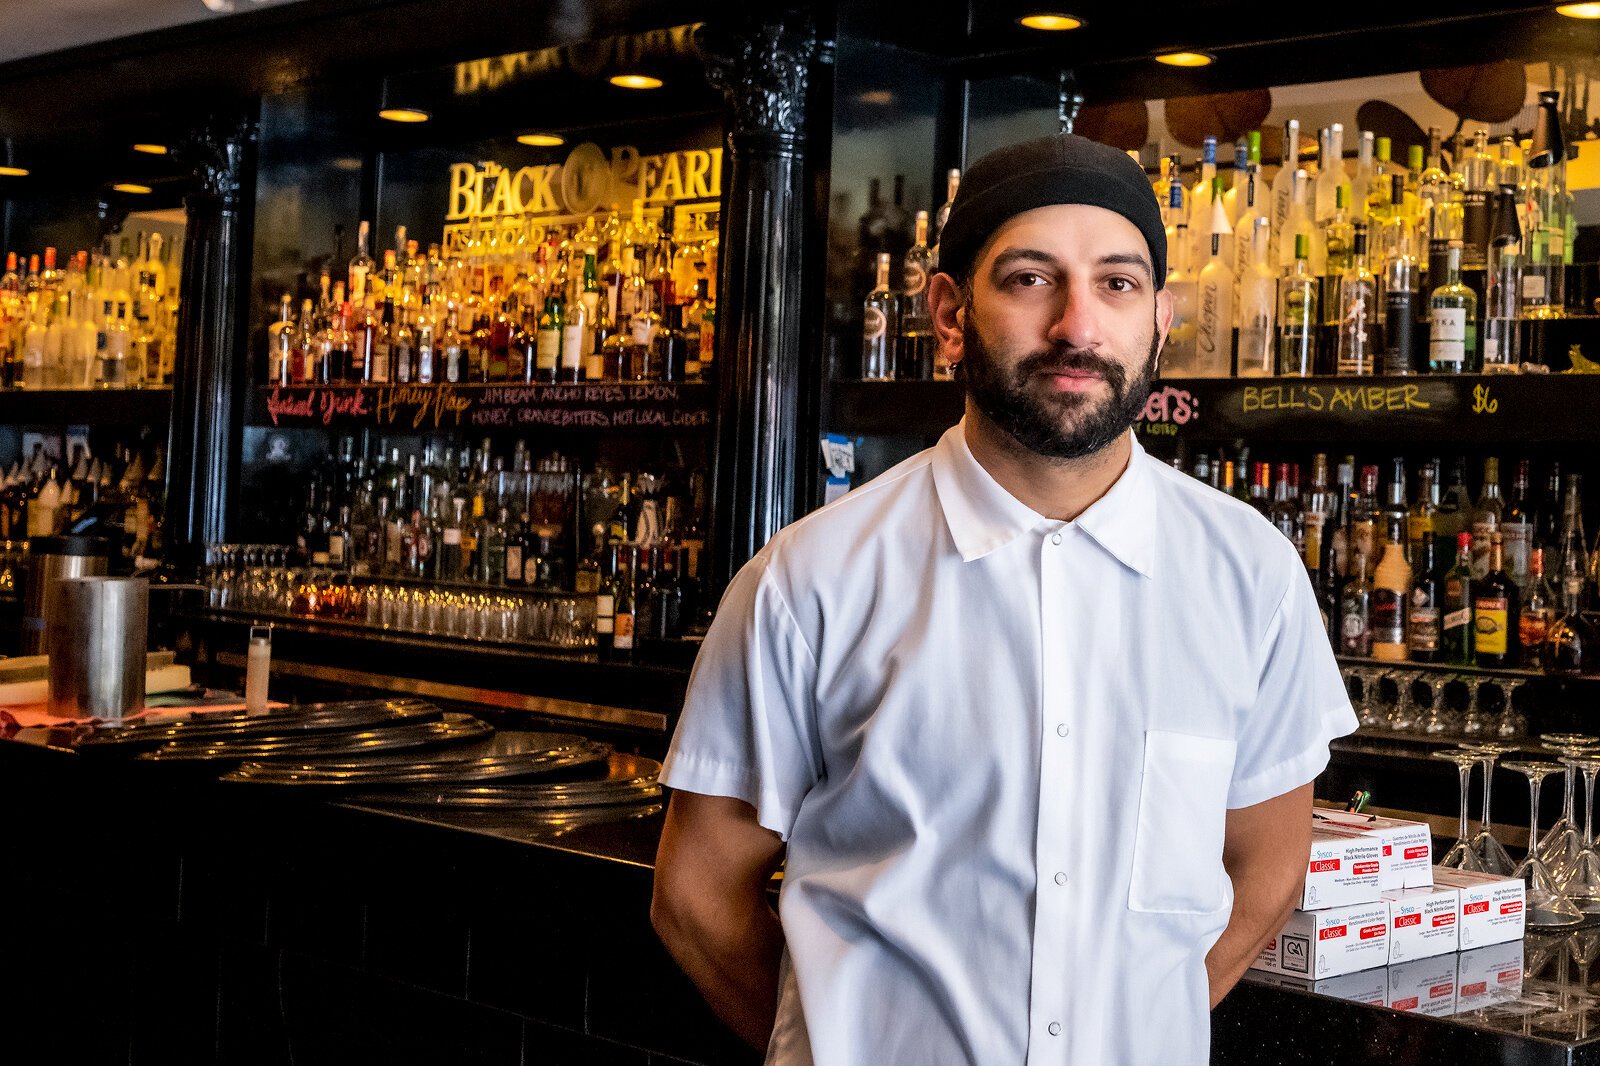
[
  {"x": 636, "y": 81},
  {"x": 403, "y": 114},
  {"x": 1185, "y": 59},
  {"x": 13, "y": 172},
  {"x": 1051, "y": 20},
  {"x": 151, "y": 149},
  {"x": 130, "y": 187},
  {"x": 541, "y": 140},
  {"x": 1579, "y": 11}
]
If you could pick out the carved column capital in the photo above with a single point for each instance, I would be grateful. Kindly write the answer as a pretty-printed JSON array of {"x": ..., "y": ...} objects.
[
  {"x": 762, "y": 70},
  {"x": 215, "y": 157}
]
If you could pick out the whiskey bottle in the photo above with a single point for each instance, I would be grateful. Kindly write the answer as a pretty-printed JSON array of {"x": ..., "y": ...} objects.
[
  {"x": 1355, "y": 613},
  {"x": 1391, "y": 583},
  {"x": 1456, "y": 633},
  {"x": 877, "y": 315},
  {"x": 1496, "y": 612},
  {"x": 1537, "y": 616},
  {"x": 913, "y": 359},
  {"x": 1423, "y": 600}
]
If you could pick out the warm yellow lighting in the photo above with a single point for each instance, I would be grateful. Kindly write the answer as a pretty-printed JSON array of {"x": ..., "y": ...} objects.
[
  {"x": 13, "y": 172},
  {"x": 878, "y": 97},
  {"x": 403, "y": 114},
  {"x": 541, "y": 140},
  {"x": 151, "y": 149},
  {"x": 636, "y": 81},
  {"x": 130, "y": 187},
  {"x": 1048, "y": 20},
  {"x": 1185, "y": 59},
  {"x": 1579, "y": 11}
]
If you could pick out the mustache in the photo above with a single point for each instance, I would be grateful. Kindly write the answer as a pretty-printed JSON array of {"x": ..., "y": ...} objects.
[{"x": 1062, "y": 359}]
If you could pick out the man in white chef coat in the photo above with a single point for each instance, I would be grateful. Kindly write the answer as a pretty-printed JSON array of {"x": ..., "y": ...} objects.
[{"x": 1032, "y": 717}]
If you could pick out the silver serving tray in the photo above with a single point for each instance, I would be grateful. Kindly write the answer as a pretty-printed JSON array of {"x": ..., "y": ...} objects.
[
  {"x": 283, "y": 721},
  {"x": 503, "y": 756},
  {"x": 450, "y": 728},
  {"x": 628, "y": 780}
]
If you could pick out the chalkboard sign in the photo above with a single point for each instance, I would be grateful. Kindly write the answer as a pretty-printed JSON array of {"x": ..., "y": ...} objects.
[{"x": 433, "y": 408}]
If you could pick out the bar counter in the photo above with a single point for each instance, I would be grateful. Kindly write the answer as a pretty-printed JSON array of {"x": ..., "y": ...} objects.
[{"x": 160, "y": 915}]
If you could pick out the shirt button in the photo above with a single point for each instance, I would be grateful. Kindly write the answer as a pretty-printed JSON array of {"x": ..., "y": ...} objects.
[
  {"x": 1062, "y": 730},
  {"x": 1055, "y": 538},
  {"x": 1061, "y": 878},
  {"x": 1055, "y": 1028}
]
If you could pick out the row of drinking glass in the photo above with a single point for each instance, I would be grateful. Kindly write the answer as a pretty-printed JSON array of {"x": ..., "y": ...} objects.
[
  {"x": 1562, "y": 868},
  {"x": 1404, "y": 714}
]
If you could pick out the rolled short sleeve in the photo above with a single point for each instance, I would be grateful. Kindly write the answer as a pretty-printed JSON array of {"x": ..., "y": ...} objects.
[
  {"x": 1301, "y": 703},
  {"x": 748, "y": 724}
]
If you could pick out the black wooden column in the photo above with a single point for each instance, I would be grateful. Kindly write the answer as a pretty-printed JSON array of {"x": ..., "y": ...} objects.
[
  {"x": 204, "y": 446},
  {"x": 762, "y": 69}
]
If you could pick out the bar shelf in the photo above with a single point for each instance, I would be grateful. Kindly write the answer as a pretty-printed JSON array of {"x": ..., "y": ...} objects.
[{"x": 94, "y": 407}]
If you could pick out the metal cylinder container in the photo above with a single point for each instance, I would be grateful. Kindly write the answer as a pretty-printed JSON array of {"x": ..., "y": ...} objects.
[
  {"x": 96, "y": 642},
  {"x": 51, "y": 559}
]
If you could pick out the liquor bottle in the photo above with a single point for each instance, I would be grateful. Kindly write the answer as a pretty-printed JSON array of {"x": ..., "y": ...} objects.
[
  {"x": 668, "y": 592},
  {"x": 1391, "y": 584},
  {"x": 1364, "y": 518},
  {"x": 1476, "y": 203},
  {"x": 1572, "y": 644},
  {"x": 1234, "y": 198},
  {"x": 1314, "y": 512},
  {"x": 1452, "y": 321},
  {"x": 1214, "y": 337},
  {"x": 1400, "y": 281},
  {"x": 1516, "y": 525},
  {"x": 877, "y": 361},
  {"x": 1454, "y": 513},
  {"x": 1572, "y": 558},
  {"x": 914, "y": 344},
  {"x": 426, "y": 347},
  {"x": 1283, "y": 194},
  {"x": 1423, "y": 602},
  {"x": 1496, "y": 612},
  {"x": 671, "y": 349},
  {"x": 1297, "y": 315},
  {"x": 1503, "y": 286},
  {"x": 282, "y": 342},
  {"x": 492, "y": 548},
  {"x": 547, "y": 358},
  {"x": 1336, "y": 232},
  {"x": 1486, "y": 515},
  {"x": 1538, "y": 614},
  {"x": 1547, "y": 515},
  {"x": 1456, "y": 631},
  {"x": 1260, "y": 496},
  {"x": 1178, "y": 356},
  {"x": 1201, "y": 199},
  {"x": 1366, "y": 177},
  {"x": 622, "y": 636},
  {"x": 605, "y": 606},
  {"x": 1545, "y": 242},
  {"x": 453, "y": 350},
  {"x": 1419, "y": 517},
  {"x": 645, "y": 623},
  {"x": 1250, "y": 196},
  {"x": 1329, "y": 591},
  {"x": 662, "y": 288},
  {"x": 1299, "y": 222},
  {"x": 1285, "y": 511},
  {"x": 1355, "y": 613},
  {"x": 339, "y": 539},
  {"x": 403, "y": 350},
  {"x": 1441, "y": 210},
  {"x": 1359, "y": 338},
  {"x": 1256, "y": 302},
  {"x": 576, "y": 338},
  {"x": 361, "y": 266},
  {"x": 1331, "y": 177}
]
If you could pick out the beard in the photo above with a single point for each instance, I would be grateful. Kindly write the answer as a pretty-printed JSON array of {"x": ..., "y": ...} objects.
[{"x": 1061, "y": 426}]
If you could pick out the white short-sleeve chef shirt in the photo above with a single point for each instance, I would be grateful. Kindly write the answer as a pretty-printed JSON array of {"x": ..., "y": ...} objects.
[{"x": 1001, "y": 749}]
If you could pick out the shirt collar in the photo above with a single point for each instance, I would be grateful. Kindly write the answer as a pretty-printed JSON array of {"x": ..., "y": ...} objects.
[{"x": 983, "y": 517}]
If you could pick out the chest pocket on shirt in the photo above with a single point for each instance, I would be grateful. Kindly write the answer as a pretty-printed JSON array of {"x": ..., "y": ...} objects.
[{"x": 1177, "y": 850}]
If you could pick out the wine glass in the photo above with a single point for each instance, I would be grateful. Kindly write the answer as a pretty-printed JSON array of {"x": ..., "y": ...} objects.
[
  {"x": 1367, "y": 715},
  {"x": 1402, "y": 712},
  {"x": 1461, "y": 855},
  {"x": 1583, "y": 879},
  {"x": 1437, "y": 720},
  {"x": 1546, "y": 904},
  {"x": 1490, "y": 852},
  {"x": 1513, "y": 723},
  {"x": 1562, "y": 841},
  {"x": 1472, "y": 720}
]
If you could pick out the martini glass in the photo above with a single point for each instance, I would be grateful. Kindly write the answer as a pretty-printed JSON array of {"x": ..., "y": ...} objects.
[
  {"x": 1583, "y": 880},
  {"x": 1546, "y": 905},
  {"x": 1461, "y": 855},
  {"x": 1562, "y": 841},
  {"x": 1490, "y": 852}
]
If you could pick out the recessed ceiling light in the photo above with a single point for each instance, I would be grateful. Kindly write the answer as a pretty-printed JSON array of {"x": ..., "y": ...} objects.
[
  {"x": 1579, "y": 11},
  {"x": 881, "y": 97},
  {"x": 1185, "y": 59},
  {"x": 636, "y": 81},
  {"x": 130, "y": 187},
  {"x": 1051, "y": 20},
  {"x": 404, "y": 114},
  {"x": 151, "y": 149},
  {"x": 541, "y": 140},
  {"x": 13, "y": 172}
]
